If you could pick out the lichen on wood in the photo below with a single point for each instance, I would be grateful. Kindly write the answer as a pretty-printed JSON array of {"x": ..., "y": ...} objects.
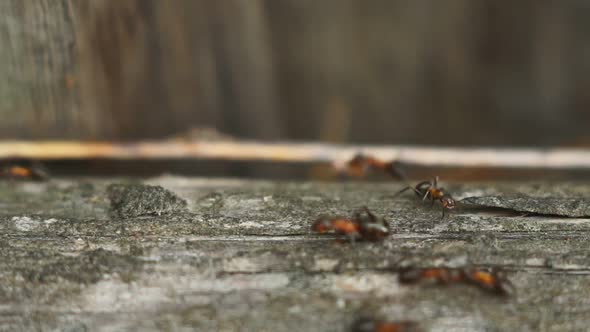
[{"x": 132, "y": 200}]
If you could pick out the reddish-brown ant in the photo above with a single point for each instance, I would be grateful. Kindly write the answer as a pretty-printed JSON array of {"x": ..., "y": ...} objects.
[
  {"x": 338, "y": 225},
  {"x": 373, "y": 325},
  {"x": 364, "y": 225},
  {"x": 360, "y": 165},
  {"x": 431, "y": 190},
  {"x": 35, "y": 173},
  {"x": 431, "y": 275},
  {"x": 493, "y": 280}
]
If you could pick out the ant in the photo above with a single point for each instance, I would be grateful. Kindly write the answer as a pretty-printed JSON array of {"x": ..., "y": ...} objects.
[
  {"x": 430, "y": 275},
  {"x": 492, "y": 280},
  {"x": 364, "y": 225},
  {"x": 430, "y": 189},
  {"x": 360, "y": 164},
  {"x": 35, "y": 173},
  {"x": 364, "y": 324}
]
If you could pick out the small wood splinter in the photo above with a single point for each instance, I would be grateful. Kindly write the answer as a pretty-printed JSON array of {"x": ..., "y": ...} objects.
[
  {"x": 492, "y": 280},
  {"x": 364, "y": 225},
  {"x": 431, "y": 190}
]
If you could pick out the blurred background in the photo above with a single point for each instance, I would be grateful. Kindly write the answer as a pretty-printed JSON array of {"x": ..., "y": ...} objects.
[{"x": 452, "y": 73}]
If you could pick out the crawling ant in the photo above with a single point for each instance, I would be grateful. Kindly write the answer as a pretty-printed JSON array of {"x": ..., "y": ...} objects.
[
  {"x": 492, "y": 280},
  {"x": 431, "y": 275},
  {"x": 360, "y": 164},
  {"x": 431, "y": 190},
  {"x": 35, "y": 173},
  {"x": 338, "y": 225},
  {"x": 364, "y": 225},
  {"x": 373, "y": 325}
]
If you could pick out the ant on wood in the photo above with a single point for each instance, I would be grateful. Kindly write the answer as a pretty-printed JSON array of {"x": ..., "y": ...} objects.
[
  {"x": 35, "y": 173},
  {"x": 360, "y": 164},
  {"x": 431, "y": 190},
  {"x": 364, "y": 225},
  {"x": 492, "y": 280}
]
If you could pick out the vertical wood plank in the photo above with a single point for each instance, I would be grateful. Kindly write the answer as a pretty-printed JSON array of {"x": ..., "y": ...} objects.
[{"x": 39, "y": 70}]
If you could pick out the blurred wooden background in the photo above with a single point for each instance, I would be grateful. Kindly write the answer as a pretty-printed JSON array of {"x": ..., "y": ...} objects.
[{"x": 457, "y": 72}]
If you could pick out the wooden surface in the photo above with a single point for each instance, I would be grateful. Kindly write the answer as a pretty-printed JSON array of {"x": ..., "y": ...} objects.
[
  {"x": 241, "y": 256},
  {"x": 466, "y": 72},
  {"x": 39, "y": 65}
]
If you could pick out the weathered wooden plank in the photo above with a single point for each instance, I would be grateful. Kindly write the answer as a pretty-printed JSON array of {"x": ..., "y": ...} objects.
[
  {"x": 242, "y": 257},
  {"x": 375, "y": 71},
  {"x": 39, "y": 67}
]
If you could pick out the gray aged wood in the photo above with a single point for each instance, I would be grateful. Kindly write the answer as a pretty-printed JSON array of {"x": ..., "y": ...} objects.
[
  {"x": 242, "y": 257},
  {"x": 340, "y": 70},
  {"x": 39, "y": 69}
]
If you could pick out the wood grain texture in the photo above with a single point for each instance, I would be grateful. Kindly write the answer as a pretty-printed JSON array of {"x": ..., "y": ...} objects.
[
  {"x": 164, "y": 67},
  {"x": 241, "y": 256},
  {"x": 466, "y": 72},
  {"x": 39, "y": 68}
]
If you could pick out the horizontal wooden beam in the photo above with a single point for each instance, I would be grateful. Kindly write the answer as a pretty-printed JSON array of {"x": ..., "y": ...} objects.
[{"x": 308, "y": 152}]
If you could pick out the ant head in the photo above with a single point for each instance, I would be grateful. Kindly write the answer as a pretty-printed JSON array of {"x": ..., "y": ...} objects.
[{"x": 448, "y": 202}]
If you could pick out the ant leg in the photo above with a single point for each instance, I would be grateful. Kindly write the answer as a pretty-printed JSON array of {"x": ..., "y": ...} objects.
[
  {"x": 371, "y": 215},
  {"x": 406, "y": 188},
  {"x": 358, "y": 214},
  {"x": 363, "y": 209},
  {"x": 425, "y": 195},
  {"x": 394, "y": 171},
  {"x": 443, "y": 214},
  {"x": 436, "y": 181},
  {"x": 431, "y": 201},
  {"x": 418, "y": 192},
  {"x": 353, "y": 237},
  {"x": 366, "y": 209}
]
